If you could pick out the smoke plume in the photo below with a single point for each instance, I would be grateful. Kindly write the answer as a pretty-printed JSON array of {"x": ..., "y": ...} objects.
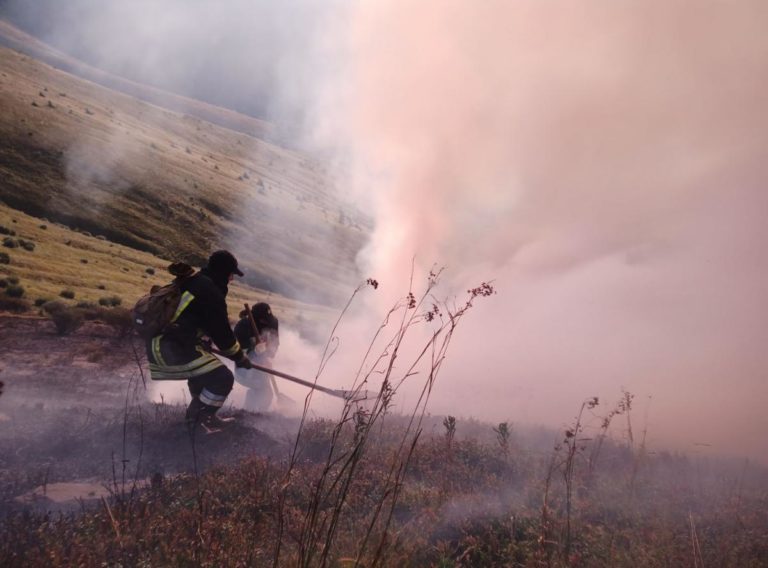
[{"x": 605, "y": 164}]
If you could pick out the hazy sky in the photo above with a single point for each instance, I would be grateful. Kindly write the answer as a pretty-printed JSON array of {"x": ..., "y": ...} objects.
[{"x": 603, "y": 162}]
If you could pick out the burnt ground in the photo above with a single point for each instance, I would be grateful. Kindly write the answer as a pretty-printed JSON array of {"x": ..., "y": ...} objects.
[{"x": 74, "y": 409}]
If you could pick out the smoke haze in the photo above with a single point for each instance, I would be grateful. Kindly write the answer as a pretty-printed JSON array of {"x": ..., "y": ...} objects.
[
  {"x": 251, "y": 56},
  {"x": 604, "y": 163}
]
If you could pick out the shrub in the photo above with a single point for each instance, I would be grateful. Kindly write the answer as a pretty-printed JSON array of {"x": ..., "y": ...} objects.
[
  {"x": 14, "y": 291},
  {"x": 53, "y": 306},
  {"x": 86, "y": 305},
  {"x": 66, "y": 293},
  {"x": 6, "y": 231},
  {"x": 67, "y": 320},
  {"x": 40, "y": 301},
  {"x": 84, "y": 260},
  {"x": 118, "y": 318},
  {"x": 15, "y": 305},
  {"x": 112, "y": 301},
  {"x": 150, "y": 271},
  {"x": 101, "y": 287},
  {"x": 10, "y": 242},
  {"x": 27, "y": 245},
  {"x": 44, "y": 226},
  {"x": 5, "y": 258}
]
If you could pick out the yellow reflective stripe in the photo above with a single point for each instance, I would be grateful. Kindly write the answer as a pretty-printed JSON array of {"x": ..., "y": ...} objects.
[
  {"x": 186, "y": 299},
  {"x": 156, "y": 350},
  {"x": 184, "y": 371},
  {"x": 192, "y": 365},
  {"x": 232, "y": 350}
]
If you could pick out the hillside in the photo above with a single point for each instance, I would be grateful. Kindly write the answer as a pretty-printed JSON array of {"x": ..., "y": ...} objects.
[
  {"x": 48, "y": 259},
  {"x": 171, "y": 184}
]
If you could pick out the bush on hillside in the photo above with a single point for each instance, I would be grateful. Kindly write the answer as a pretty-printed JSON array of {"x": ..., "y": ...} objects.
[
  {"x": 27, "y": 245},
  {"x": 67, "y": 320},
  {"x": 10, "y": 242},
  {"x": 67, "y": 293},
  {"x": 40, "y": 301},
  {"x": 14, "y": 305},
  {"x": 112, "y": 301},
  {"x": 5, "y": 258},
  {"x": 53, "y": 306},
  {"x": 118, "y": 318},
  {"x": 14, "y": 291},
  {"x": 6, "y": 231}
]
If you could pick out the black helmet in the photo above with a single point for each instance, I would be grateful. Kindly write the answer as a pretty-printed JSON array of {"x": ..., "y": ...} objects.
[
  {"x": 223, "y": 262},
  {"x": 261, "y": 310}
]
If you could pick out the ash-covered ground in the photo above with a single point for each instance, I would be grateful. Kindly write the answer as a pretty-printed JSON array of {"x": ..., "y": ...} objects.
[{"x": 76, "y": 422}]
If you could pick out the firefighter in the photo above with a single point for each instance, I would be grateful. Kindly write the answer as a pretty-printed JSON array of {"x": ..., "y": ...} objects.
[
  {"x": 262, "y": 347},
  {"x": 182, "y": 351}
]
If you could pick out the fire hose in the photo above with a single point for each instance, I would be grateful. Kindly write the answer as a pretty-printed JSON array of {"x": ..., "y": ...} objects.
[{"x": 353, "y": 395}]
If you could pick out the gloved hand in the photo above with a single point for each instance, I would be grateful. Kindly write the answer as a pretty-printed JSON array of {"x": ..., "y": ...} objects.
[{"x": 244, "y": 363}]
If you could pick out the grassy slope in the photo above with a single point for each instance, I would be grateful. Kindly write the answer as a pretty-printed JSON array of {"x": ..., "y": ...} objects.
[
  {"x": 57, "y": 263},
  {"x": 170, "y": 184},
  {"x": 14, "y": 38}
]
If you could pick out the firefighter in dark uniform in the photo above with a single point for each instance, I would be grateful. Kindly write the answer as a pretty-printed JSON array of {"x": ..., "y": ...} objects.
[
  {"x": 180, "y": 352},
  {"x": 261, "y": 349}
]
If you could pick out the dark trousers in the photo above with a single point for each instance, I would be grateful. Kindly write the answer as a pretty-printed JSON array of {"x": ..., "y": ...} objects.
[{"x": 210, "y": 390}]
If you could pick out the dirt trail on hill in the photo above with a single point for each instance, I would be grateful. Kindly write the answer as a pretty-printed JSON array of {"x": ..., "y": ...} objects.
[{"x": 74, "y": 409}]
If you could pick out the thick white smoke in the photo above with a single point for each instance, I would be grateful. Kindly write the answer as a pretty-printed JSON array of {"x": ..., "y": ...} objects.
[{"x": 606, "y": 164}]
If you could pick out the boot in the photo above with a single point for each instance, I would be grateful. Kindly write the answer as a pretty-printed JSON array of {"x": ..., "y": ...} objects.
[
  {"x": 213, "y": 423},
  {"x": 193, "y": 412}
]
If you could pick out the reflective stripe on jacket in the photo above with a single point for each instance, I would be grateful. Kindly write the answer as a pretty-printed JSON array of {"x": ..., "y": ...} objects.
[{"x": 178, "y": 353}]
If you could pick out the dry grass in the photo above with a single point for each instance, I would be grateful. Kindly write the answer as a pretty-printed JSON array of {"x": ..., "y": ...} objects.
[
  {"x": 170, "y": 184},
  {"x": 112, "y": 270},
  {"x": 461, "y": 505}
]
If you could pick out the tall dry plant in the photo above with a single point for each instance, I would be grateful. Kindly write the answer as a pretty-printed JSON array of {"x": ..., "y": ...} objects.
[{"x": 352, "y": 432}]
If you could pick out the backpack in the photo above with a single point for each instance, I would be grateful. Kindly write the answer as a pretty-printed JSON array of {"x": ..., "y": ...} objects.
[{"x": 153, "y": 312}]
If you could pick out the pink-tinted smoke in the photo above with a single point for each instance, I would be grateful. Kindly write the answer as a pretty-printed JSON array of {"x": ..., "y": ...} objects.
[{"x": 606, "y": 163}]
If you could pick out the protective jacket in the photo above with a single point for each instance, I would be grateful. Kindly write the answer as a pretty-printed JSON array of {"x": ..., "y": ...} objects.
[
  {"x": 179, "y": 352},
  {"x": 267, "y": 326}
]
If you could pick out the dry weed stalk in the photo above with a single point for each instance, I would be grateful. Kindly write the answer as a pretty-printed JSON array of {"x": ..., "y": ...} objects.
[{"x": 345, "y": 454}]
